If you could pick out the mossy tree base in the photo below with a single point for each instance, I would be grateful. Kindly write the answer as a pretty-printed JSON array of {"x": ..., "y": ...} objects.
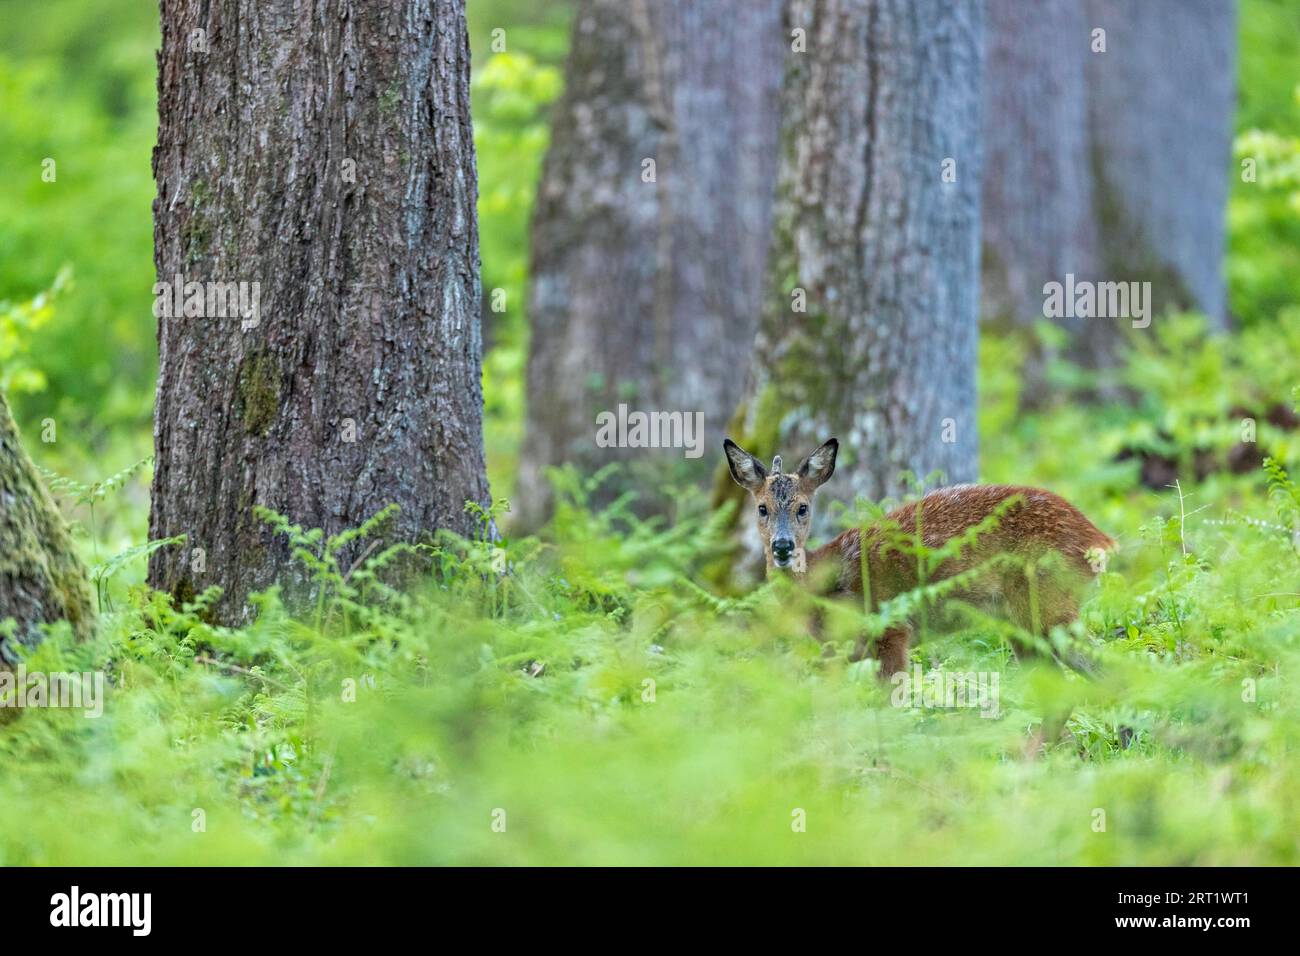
[{"x": 41, "y": 578}]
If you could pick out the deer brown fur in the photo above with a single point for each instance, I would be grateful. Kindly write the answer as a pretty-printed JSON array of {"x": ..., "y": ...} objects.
[{"x": 1029, "y": 562}]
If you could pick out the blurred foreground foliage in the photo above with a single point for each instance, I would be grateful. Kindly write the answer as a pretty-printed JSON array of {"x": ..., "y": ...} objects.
[{"x": 582, "y": 690}]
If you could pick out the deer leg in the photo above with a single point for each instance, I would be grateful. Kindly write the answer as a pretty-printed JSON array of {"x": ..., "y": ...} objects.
[
  {"x": 890, "y": 649},
  {"x": 817, "y": 631},
  {"x": 1058, "y": 606},
  {"x": 1038, "y": 605}
]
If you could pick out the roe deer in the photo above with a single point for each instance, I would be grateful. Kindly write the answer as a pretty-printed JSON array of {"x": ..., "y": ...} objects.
[{"x": 1026, "y": 525}]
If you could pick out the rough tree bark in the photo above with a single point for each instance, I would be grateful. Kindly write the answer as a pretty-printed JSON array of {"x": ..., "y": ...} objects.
[
  {"x": 648, "y": 293},
  {"x": 322, "y": 149},
  {"x": 1109, "y": 165},
  {"x": 884, "y": 102},
  {"x": 41, "y": 578}
]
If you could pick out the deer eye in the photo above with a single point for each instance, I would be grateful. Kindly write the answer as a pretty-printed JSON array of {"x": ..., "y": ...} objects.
[
  {"x": 803, "y": 511},
  {"x": 762, "y": 511}
]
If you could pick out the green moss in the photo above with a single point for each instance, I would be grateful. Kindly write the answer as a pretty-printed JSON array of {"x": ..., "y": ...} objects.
[
  {"x": 183, "y": 592},
  {"x": 45, "y": 580},
  {"x": 257, "y": 392},
  {"x": 389, "y": 99},
  {"x": 196, "y": 232}
]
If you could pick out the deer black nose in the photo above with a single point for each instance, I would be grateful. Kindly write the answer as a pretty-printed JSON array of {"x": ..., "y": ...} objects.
[{"x": 782, "y": 548}]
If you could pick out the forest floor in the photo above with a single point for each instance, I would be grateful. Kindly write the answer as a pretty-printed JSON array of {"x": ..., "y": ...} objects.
[{"x": 602, "y": 704}]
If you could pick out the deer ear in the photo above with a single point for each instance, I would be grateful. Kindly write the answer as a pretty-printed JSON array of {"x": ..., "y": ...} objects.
[
  {"x": 745, "y": 468},
  {"x": 818, "y": 467}
]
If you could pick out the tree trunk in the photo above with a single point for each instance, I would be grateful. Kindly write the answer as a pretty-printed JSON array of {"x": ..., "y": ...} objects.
[
  {"x": 1160, "y": 109},
  {"x": 41, "y": 578},
  {"x": 1112, "y": 166},
  {"x": 880, "y": 113},
  {"x": 1038, "y": 212},
  {"x": 648, "y": 293},
  {"x": 323, "y": 150}
]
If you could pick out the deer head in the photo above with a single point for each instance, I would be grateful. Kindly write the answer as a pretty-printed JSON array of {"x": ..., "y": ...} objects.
[{"x": 782, "y": 502}]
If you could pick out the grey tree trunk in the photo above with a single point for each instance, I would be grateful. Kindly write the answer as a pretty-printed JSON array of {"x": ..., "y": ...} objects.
[
  {"x": 1109, "y": 165},
  {"x": 879, "y": 114},
  {"x": 323, "y": 150},
  {"x": 648, "y": 293},
  {"x": 41, "y": 578},
  {"x": 1039, "y": 220},
  {"x": 1161, "y": 105}
]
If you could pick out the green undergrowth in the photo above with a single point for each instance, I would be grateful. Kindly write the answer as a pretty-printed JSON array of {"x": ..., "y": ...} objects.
[{"x": 580, "y": 697}]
